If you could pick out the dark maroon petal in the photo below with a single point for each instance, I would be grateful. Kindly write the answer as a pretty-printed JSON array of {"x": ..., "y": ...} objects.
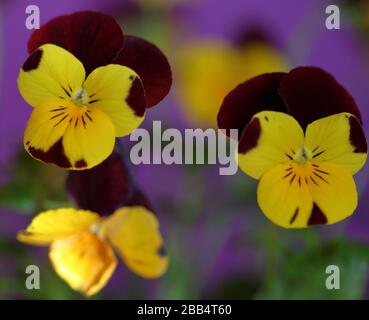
[
  {"x": 255, "y": 95},
  {"x": 103, "y": 188},
  {"x": 311, "y": 93},
  {"x": 150, "y": 64},
  {"x": 138, "y": 198},
  {"x": 94, "y": 38}
]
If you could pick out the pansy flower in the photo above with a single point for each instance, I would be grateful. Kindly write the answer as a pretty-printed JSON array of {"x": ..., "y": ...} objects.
[
  {"x": 220, "y": 66},
  {"x": 81, "y": 241},
  {"x": 302, "y": 138},
  {"x": 88, "y": 84}
]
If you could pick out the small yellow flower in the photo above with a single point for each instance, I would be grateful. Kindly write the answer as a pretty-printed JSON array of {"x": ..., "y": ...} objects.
[
  {"x": 306, "y": 178},
  {"x": 81, "y": 244},
  {"x": 75, "y": 119}
]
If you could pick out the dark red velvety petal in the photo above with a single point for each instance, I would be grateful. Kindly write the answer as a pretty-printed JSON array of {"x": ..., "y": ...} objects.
[
  {"x": 138, "y": 198},
  {"x": 255, "y": 95},
  {"x": 94, "y": 38},
  {"x": 103, "y": 188},
  {"x": 311, "y": 93},
  {"x": 150, "y": 64}
]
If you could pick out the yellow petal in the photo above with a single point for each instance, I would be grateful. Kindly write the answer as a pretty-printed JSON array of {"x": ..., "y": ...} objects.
[
  {"x": 57, "y": 224},
  {"x": 117, "y": 91},
  {"x": 45, "y": 130},
  {"x": 333, "y": 191},
  {"x": 338, "y": 138},
  {"x": 89, "y": 139},
  {"x": 297, "y": 196},
  {"x": 50, "y": 72},
  {"x": 270, "y": 138},
  {"x": 134, "y": 231},
  {"x": 70, "y": 136},
  {"x": 284, "y": 197},
  {"x": 84, "y": 261}
]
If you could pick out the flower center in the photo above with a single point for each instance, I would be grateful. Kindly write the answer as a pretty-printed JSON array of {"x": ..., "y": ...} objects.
[
  {"x": 79, "y": 97},
  {"x": 98, "y": 229},
  {"x": 303, "y": 155}
]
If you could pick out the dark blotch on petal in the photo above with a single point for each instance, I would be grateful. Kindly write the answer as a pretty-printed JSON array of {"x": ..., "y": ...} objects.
[
  {"x": 357, "y": 136},
  {"x": 103, "y": 188},
  {"x": 136, "y": 98},
  {"x": 80, "y": 164},
  {"x": 94, "y": 38},
  {"x": 150, "y": 64},
  {"x": 255, "y": 95},
  {"x": 311, "y": 93},
  {"x": 54, "y": 155},
  {"x": 162, "y": 252},
  {"x": 250, "y": 136},
  {"x": 33, "y": 61},
  {"x": 317, "y": 216}
]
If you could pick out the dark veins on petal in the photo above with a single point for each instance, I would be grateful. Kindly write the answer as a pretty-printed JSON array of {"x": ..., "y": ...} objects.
[
  {"x": 97, "y": 40},
  {"x": 295, "y": 214}
]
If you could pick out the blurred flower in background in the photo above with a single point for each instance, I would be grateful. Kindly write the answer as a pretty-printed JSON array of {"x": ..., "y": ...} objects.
[{"x": 207, "y": 69}]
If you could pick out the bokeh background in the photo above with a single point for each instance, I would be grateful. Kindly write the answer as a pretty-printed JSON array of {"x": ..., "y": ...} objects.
[{"x": 220, "y": 244}]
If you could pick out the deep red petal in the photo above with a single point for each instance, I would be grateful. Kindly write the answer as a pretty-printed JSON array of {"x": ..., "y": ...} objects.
[
  {"x": 255, "y": 95},
  {"x": 311, "y": 93},
  {"x": 138, "y": 198},
  {"x": 103, "y": 188},
  {"x": 150, "y": 64},
  {"x": 94, "y": 38}
]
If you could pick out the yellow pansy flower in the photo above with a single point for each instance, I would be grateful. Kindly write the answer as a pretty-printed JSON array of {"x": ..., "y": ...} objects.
[
  {"x": 305, "y": 179},
  {"x": 75, "y": 119},
  {"x": 301, "y": 137},
  {"x": 81, "y": 244}
]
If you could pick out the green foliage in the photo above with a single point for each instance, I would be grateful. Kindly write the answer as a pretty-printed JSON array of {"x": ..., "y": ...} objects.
[
  {"x": 300, "y": 273},
  {"x": 32, "y": 185}
]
